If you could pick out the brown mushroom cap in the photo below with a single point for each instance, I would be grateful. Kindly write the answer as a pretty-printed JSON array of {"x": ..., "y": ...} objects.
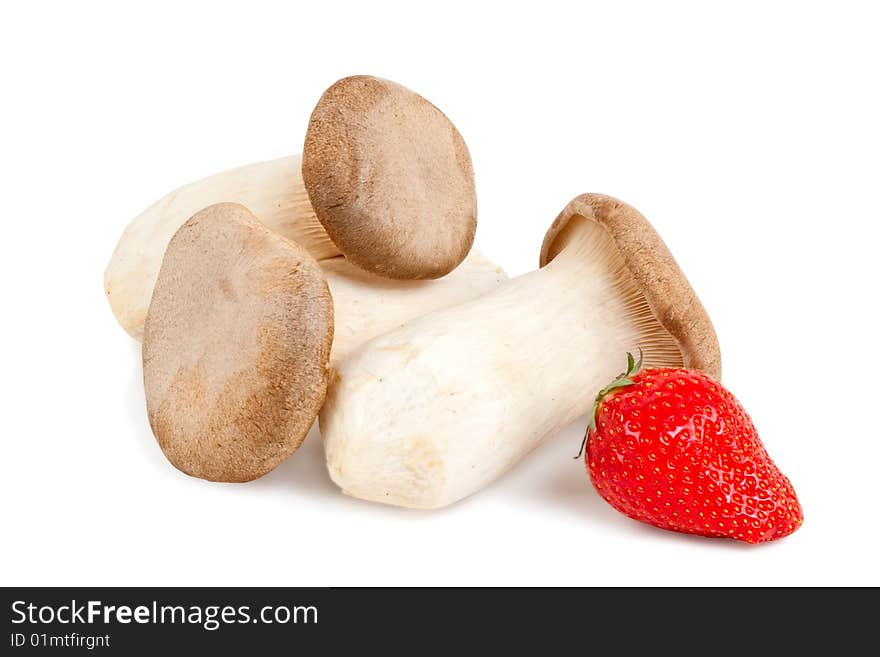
[
  {"x": 659, "y": 278},
  {"x": 390, "y": 179},
  {"x": 236, "y": 343}
]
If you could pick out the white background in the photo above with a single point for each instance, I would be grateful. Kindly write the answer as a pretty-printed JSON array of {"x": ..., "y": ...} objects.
[{"x": 749, "y": 137}]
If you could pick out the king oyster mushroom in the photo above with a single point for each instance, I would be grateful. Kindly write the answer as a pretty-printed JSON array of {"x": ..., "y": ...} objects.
[
  {"x": 236, "y": 344},
  {"x": 435, "y": 410},
  {"x": 385, "y": 179}
]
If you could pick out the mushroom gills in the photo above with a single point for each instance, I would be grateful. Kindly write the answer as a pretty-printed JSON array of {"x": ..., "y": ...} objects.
[{"x": 435, "y": 410}]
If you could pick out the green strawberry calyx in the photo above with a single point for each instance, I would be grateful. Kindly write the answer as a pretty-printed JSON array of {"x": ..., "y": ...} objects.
[{"x": 623, "y": 379}]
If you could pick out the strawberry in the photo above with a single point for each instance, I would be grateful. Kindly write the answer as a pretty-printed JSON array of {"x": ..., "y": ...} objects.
[{"x": 672, "y": 447}]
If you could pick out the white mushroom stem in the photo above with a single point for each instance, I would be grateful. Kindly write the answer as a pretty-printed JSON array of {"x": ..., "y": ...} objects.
[
  {"x": 435, "y": 410},
  {"x": 272, "y": 190},
  {"x": 366, "y": 305}
]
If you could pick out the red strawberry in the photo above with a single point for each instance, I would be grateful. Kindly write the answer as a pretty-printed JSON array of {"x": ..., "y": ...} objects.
[{"x": 674, "y": 448}]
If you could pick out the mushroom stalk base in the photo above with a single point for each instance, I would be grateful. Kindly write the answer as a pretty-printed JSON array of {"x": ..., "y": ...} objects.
[{"x": 434, "y": 411}]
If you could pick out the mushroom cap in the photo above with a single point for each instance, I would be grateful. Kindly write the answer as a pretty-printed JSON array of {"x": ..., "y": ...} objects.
[
  {"x": 390, "y": 178},
  {"x": 236, "y": 344},
  {"x": 661, "y": 281}
]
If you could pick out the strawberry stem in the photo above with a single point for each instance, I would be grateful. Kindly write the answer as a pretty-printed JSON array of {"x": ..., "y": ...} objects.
[{"x": 623, "y": 379}]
